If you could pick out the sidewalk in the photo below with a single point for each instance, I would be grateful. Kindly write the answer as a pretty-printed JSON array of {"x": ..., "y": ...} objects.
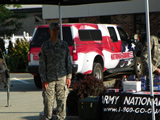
[{"x": 68, "y": 117}]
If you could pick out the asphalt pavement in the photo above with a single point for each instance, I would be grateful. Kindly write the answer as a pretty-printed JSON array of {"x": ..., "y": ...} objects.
[{"x": 25, "y": 99}]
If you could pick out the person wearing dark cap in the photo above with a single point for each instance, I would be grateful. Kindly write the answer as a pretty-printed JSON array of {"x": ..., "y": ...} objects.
[{"x": 55, "y": 70}]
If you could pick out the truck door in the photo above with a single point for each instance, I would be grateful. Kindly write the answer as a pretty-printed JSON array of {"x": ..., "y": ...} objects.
[
  {"x": 114, "y": 42},
  {"x": 114, "y": 54},
  {"x": 126, "y": 43}
]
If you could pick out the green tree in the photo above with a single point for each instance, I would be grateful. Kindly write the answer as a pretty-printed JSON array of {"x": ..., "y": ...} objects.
[{"x": 9, "y": 21}]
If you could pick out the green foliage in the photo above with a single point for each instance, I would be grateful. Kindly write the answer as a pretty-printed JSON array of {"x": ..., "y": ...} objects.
[
  {"x": 17, "y": 59},
  {"x": 89, "y": 86},
  {"x": 21, "y": 48},
  {"x": 9, "y": 21},
  {"x": 15, "y": 63}
]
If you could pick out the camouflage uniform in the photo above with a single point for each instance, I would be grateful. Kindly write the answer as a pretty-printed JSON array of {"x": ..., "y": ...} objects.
[
  {"x": 155, "y": 56},
  {"x": 55, "y": 66}
]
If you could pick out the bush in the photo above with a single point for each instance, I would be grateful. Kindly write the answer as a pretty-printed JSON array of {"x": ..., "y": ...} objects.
[
  {"x": 17, "y": 59},
  {"x": 16, "y": 63},
  {"x": 20, "y": 48},
  {"x": 89, "y": 86}
]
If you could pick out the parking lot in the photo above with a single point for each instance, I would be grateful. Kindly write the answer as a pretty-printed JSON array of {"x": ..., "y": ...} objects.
[{"x": 25, "y": 99}]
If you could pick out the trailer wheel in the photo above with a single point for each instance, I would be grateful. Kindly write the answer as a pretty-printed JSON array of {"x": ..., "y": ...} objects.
[
  {"x": 37, "y": 81},
  {"x": 97, "y": 71}
]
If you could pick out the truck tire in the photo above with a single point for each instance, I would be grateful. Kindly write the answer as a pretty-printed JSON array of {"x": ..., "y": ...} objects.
[
  {"x": 97, "y": 71},
  {"x": 37, "y": 81},
  {"x": 138, "y": 67}
]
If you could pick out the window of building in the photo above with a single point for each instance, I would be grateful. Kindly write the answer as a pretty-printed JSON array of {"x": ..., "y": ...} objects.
[
  {"x": 38, "y": 18},
  {"x": 90, "y": 35},
  {"x": 73, "y": 20},
  {"x": 112, "y": 34},
  {"x": 105, "y": 19},
  {"x": 140, "y": 23}
]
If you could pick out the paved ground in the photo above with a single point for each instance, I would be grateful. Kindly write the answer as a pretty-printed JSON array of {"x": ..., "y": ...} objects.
[{"x": 25, "y": 99}]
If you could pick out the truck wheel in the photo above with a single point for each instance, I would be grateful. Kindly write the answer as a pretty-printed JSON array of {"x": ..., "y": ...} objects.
[
  {"x": 138, "y": 67},
  {"x": 97, "y": 71},
  {"x": 37, "y": 81}
]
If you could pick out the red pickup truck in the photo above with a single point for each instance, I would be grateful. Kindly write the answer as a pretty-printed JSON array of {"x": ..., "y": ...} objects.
[{"x": 94, "y": 48}]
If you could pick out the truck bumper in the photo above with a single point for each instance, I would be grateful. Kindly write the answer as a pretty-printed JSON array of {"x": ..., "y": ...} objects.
[{"x": 33, "y": 69}]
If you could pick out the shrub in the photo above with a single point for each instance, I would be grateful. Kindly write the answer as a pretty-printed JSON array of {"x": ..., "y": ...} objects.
[
  {"x": 20, "y": 48},
  {"x": 89, "y": 86},
  {"x": 17, "y": 58}
]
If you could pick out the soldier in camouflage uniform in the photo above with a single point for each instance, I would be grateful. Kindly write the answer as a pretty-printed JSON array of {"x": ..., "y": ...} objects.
[
  {"x": 56, "y": 71},
  {"x": 155, "y": 56}
]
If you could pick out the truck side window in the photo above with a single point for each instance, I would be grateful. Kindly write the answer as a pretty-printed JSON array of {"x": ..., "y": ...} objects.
[
  {"x": 90, "y": 35},
  {"x": 112, "y": 34},
  {"x": 123, "y": 35},
  {"x": 67, "y": 36}
]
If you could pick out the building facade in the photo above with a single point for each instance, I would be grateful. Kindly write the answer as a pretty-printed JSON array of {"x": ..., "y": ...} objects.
[
  {"x": 33, "y": 18},
  {"x": 130, "y": 15}
]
